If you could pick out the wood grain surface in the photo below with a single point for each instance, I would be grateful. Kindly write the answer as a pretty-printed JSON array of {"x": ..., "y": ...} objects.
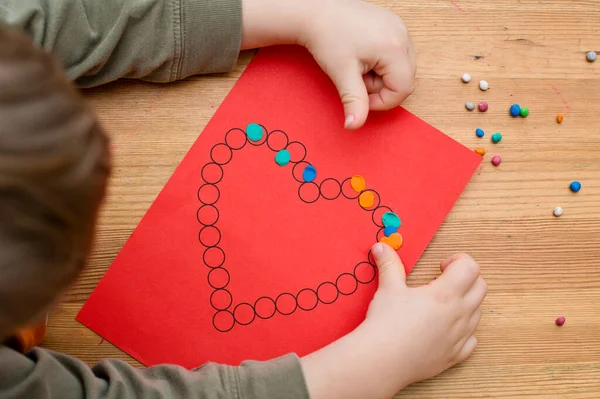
[{"x": 538, "y": 267}]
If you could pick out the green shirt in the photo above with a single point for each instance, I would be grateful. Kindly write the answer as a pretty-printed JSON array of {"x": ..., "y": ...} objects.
[{"x": 99, "y": 41}]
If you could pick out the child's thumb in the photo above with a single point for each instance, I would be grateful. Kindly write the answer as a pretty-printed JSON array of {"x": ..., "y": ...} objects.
[
  {"x": 353, "y": 92},
  {"x": 391, "y": 269}
]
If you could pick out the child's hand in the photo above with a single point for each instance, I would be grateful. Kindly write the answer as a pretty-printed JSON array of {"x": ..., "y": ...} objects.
[
  {"x": 430, "y": 328},
  {"x": 366, "y": 51},
  {"x": 410, "y": 334}
]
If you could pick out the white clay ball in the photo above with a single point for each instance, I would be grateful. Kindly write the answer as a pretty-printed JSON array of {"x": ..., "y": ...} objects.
[
  {"x": 558, "y": 211},
  {"x": 466, "y": 78},
  {"x": 483, "y": 85}
]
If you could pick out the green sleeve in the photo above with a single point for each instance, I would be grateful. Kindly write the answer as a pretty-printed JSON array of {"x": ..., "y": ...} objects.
[
  {"x": 99, "y": 41},
  {"x": 43, "y": 374}
]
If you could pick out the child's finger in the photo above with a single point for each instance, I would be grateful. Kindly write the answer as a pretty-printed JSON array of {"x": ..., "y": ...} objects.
[
  {"x": 373, "y": 82},
  {"x": 476, "y": 294},
  {"x": 444, "y": 264},
  {"x": 391, "y": 269},
  {"x": 459, "y": 275},
  {"x": 348, "y": 79},
  {"x": 399, "y": 83},
  {"x": 474, "y": 322},
  {"x": 467, "y": 349}
]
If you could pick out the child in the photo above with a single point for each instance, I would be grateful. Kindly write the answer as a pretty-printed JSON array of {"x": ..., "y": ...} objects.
[{"x": 54, "y": 165}]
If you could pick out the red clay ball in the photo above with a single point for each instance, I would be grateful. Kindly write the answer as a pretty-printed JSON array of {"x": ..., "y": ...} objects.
[
  {"x": 483, "y": 106},
  {"x": 560, "y": 321}
]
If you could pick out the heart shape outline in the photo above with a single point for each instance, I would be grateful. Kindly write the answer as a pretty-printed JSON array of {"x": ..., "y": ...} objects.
[{"x": 230, "y": 315}]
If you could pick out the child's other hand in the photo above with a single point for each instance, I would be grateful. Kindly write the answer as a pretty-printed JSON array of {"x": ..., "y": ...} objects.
[
  {"x": 430, "y": 328},
  {"x": 366, "y": 51}
]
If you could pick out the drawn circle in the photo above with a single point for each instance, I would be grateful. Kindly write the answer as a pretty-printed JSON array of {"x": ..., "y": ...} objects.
[
  {"x": 346, "y": 284},
  {"x": 209, "y": 194},
  {"x": 277, "y": 140},
  {"x": 221, "y": 299},
  {"x": 297, "y": 151},
  {"x": 221, "y": 154},
  {"x": 364, "y": 272},
  {"x": 327, "y": 293},
  {"x": 298, "y": 171},
  {"x": 209, "y": 236},
  {"x": 379, "y": 235},
  {"x": 218, "y": 278},
  {"x": 236, "y": 139},
  {"x": 330, "y": 188},
  {"x": 265, "y": 307},
  {"x": 244, "y": 314},
  {"x": 213, "y": 257},
  {"x": 307, "y": 299},
  {"x": 212, "y": 173},
  {"x": 207, "y": 215},
  {"x": 262, "y": 140},
  {"x": 347, "y": 190},
  {"x": 378, "y": 214},
  {"x": 371, "y": 259},
  {"x": 223, "y": 321},
  {"x": 376, "y": 203},
  {"x": 309, "y": 192},
  {"x": 286, "y": 304}
]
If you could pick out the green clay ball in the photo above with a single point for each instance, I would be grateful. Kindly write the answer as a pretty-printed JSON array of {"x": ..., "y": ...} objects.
[
  {"x": 524, "y": 112},
  {"x": 496, "y": 137}
]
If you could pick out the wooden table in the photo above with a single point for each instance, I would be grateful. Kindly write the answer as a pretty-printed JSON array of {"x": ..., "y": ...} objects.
[{"x": 538, "y": 267}]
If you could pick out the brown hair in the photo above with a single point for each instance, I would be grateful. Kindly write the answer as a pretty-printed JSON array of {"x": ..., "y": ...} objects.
[{"x": 54, "y": 164}]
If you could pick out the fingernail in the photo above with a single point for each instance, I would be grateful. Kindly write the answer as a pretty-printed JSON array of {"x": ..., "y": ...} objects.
[
  {"x": 349, "y": 120},
  {"x": 377, "y": 249}
]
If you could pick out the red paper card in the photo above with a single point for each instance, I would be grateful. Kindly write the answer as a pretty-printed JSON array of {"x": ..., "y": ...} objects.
[{"x": 238, "y": 259}]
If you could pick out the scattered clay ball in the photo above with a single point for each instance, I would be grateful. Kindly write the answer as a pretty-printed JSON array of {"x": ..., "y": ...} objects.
[
  {"x": 575, "y": 186},
  {"x": 479, "y": 133},
  {"x": 480, "y": 151},
  {"x": 515, "y": 110},
  {"x": 524, "y": 112},
  {"x": 496, "y": 138},
  {"x": 591, "y": 56},
  {"x": 483, "y": 106},
  {"x": 483, "y": 85},
  {"x": 466, "y": 78},
  {"x": 558, "y": 211},
  {"x": 559, "y": 118},
  {"x": 560, "y": 321},
  {"x": 470, "y": 106},
  {"x": 496, "y": 160}
]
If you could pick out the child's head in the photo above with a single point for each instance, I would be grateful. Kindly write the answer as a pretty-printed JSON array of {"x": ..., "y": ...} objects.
[{"x": 54, "y": 164}]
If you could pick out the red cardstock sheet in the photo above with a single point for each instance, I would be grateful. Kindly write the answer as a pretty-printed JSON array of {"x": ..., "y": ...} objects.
[{"x": 238, "y": 258}]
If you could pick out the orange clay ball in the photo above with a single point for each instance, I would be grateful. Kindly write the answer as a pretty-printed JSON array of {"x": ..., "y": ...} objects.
[
  {"x": 358, "y": 184},
  {"x": 366, "y": 199},
  {"x": 559, "y": 118},
  {"x": 394, "y": 240},
  {"x": 480, "y": 151}
]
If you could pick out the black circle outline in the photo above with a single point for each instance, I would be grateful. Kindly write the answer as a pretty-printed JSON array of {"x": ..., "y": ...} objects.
[
  {"x": 287, "y": 140},
  {"x": 215, "y": 325},
  {"x": 355, "y": 281},
  {"x": 377, "y": 237},
  {"x": 337, "y": 293},
  {"x": 245, "y": 139},
  {"x": 204, "y": 224},
  {"x": 295, "y": 301},
  {"x": 253, "y": 314},
  {"x": 294, "y": 170},
  {"x": 303, "y": 146},
  {"x": 374, "y": 272},
  {"x": 212, "y": 270},
  {"x": 204, "y": 256},
  {"x": 375, "y": 206},
  {"x": 316, "y": 296},
  {"x": 263, "y": 139},
  {"x": 200, "y": 234},
  {"x": 256, "y": 307},
  {"x": 347, "y": 179},
  {"x": 230, "y": 299},
  {"x": 338, "y": 194},
  {"x": 318, "y": 195},
  {"x": 230, "y": 154},
  {"x": 209, "y": 203},
  {"x": 212, "y": 163}
]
